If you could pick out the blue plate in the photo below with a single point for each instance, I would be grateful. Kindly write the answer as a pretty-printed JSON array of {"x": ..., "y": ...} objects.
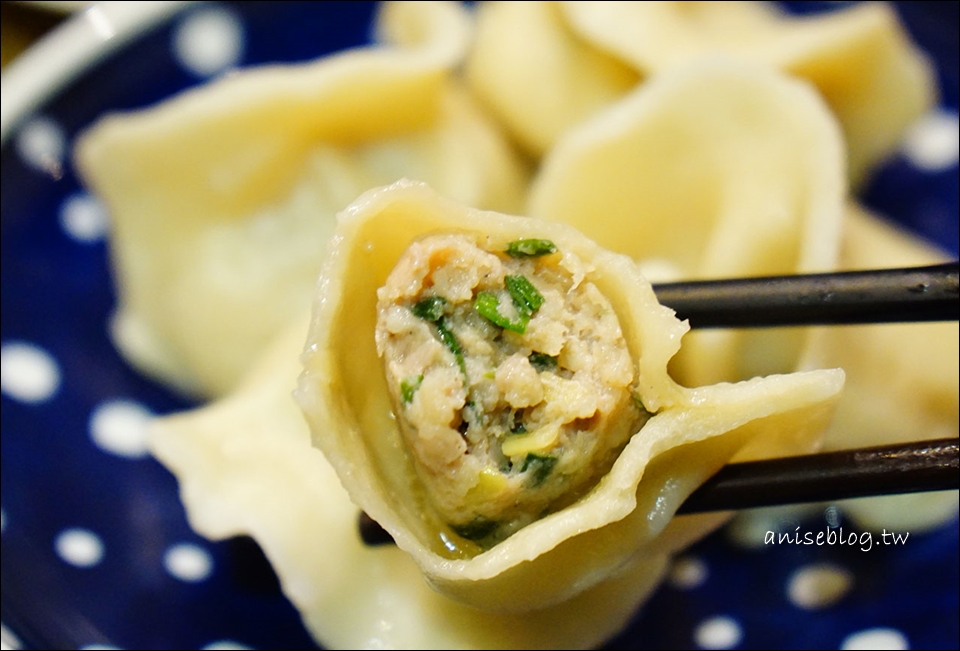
[{"x": 96, "y": 548}]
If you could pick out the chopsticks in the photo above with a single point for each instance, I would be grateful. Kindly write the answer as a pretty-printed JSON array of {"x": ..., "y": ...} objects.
[
  {"x": 826, "y": 477},
  {"x": 929, "y": 293},
  {"x": 884, "y": 470},
  {"x": 911, "y": 294},
  {"x": 851, "y": 297}
]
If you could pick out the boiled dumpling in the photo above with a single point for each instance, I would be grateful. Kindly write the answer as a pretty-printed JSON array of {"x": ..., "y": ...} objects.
[
  {"x": 222, "y": 197},
  {"x": 860, "y": 58},
  {"x": 420, "y": 265},
  {"x": 587, "y": 55},
  {"x": 536, "y": 76},
  {"x": 717, "y": 170}
]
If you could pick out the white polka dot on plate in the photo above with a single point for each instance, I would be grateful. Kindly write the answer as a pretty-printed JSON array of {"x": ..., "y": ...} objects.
[
  {"x": 876, "y": 638},
  {"x": 8, "y": 640},
  {"x": 758, "y": 529},
  {"x": 688, "y": 573},
  {"x": 209, "y": 41},
  {"x": 28, "y": 373},
  {"x": 188, "y": 562},
  {"x": 933, "y": 142},
  {"x": 120, "y": 427},
  {"x": 749, "y": 530},
  {"x": 818, "y": 585},
  {"x": 41, "y": 144},
  {"x": 84, "y": 218},
  {"x": 719, "y": 632},
  {"x": 225, "y": 645},
  {"x": 79, "y": 547}
]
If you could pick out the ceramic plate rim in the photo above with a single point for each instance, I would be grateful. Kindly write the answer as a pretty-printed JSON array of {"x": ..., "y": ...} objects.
[{"x": 65, "y": 53}]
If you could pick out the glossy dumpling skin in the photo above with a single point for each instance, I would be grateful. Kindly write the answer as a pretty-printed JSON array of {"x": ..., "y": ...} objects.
[
  {"x": 626, "y": 513},
  {"x": 221, "y": 196}
]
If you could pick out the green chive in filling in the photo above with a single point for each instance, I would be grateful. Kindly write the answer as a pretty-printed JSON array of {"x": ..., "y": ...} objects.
[{"x": 530, "y": 248}]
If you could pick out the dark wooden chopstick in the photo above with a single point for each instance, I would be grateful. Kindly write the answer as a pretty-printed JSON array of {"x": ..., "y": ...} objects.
[
  {"x": 852, "y": 297},
  {"x": 883, "y": 470},
  {"x": 826, "y": 477}
]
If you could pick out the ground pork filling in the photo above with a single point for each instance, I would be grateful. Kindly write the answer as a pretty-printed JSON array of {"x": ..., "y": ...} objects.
[{"x": 511, "y": 380}]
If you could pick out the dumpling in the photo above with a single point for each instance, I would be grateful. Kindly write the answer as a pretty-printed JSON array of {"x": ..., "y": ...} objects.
[
  {"x": 221, "y": 197},
  {"x": 536, "y": 76},
  {"x": 245, "y": 466},
  {"x": 719, "y": 169},
  {"x": 413, "y": 267},
  {"x": 712, "y": 190},
  {"x": 589, "y": 54},
  {"x": 860, "y": 58}
]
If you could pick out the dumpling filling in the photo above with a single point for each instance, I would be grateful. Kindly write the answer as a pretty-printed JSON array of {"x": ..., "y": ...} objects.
[{"x": 510, "y": 378}]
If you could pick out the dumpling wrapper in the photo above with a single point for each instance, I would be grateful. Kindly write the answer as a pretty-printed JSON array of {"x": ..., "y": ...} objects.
[
  {"x": 717, "y": 170},
  {"x": 222, "y": 196},
  {"x": 860, "y": 58},
  {"x": 628, "y": 515},
  {"x": 536, "y": 76},
  {"x": 543, "y": 67},
  {"x": 245, "y": 466}
]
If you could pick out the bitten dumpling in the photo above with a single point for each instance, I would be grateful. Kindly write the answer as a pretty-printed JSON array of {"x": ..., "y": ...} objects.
[{"x": 516, "y": 481}]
